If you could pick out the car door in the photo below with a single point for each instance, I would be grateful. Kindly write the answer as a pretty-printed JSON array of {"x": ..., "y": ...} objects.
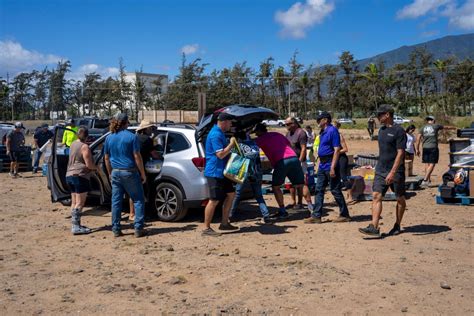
[
  {"x": 57, "y": 167},
  {"x": 100, "y": 181}
]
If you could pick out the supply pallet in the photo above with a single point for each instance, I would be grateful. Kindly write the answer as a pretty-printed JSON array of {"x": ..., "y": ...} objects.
[{"x": 457, "y": 200}]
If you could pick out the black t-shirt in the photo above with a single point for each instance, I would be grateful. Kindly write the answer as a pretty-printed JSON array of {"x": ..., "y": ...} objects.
[
  {"x": 146, "y": 147},
  {"x": 390, "y": 140}
]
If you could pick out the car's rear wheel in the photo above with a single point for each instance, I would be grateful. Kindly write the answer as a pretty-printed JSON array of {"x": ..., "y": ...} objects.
[
  {"x": 168, "y": 202},
  {"x": 280, "y": 124}
]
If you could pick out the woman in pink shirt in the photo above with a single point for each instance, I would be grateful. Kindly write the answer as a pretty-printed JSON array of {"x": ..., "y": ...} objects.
[{"x": 284, "y": 161}]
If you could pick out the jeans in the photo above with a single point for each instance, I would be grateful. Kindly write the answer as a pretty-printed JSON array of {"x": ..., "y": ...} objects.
[
  {"x": 38, "y": 154},
  {"x": 335, "y": 185},
  {"x": 257, "y": 192},
  {"x": 129, "y": 182}
]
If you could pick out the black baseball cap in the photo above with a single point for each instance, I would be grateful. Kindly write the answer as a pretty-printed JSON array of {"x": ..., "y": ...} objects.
[
  {"x": 385, "y": 108},
  {"x": 121, "y": 117},
  {"x": 323, "y": 115},
  {"x": 260, "y": 127},
  {"x": 224, "y": 117},
  {"x": 44, "y": 125}
]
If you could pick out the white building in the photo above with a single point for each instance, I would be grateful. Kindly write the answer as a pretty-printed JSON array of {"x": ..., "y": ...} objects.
[{"x": 152, "y": 82}]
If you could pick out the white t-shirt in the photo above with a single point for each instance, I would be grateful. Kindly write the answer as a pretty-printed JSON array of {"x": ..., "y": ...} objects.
[{"x": 410, "y": 143}]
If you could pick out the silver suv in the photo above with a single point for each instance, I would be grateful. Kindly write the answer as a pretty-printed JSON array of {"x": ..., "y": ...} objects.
[{"x": 174, "y": 184}]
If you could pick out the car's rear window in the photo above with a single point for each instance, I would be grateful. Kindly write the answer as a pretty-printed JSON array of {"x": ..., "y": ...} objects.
[{"x": 101, "y": 123}]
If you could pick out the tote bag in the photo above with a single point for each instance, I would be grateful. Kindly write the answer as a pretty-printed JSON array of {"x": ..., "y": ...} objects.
[{"x": 237, "y": 167}]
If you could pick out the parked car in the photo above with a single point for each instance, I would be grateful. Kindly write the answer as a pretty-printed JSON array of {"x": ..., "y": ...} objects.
[
  {"x": 346, "y": 120},
  {"x": 280, "y": 123},
  {"x": 174, "y": 184},
  {"x": 7, "y": 127},
  {"x": 97, "y": 126},
  {"x": 400, "y": 119}
]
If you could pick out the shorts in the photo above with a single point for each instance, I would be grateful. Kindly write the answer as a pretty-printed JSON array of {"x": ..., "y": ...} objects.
[
  {"x": 14, "y": 156},
  {"x": 78, "y": 184},
  {"x": 219, "y": 187},
  {"x": 409, "y": 156},
  {"x": 398, "y": 186},
  {"x": 430, "y": 155},
  {"x": 288, "y": 167}
]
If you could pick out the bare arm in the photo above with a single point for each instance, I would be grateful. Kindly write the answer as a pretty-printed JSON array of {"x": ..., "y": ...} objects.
[
  {"x": 226, "y": 151},
  {"x": 344, "y": 148},
  {"x": 335, "y": 159},
  {"x": 398, "y": 160},
  {"x": 8, "y": 144},
  {"x": 107, "y": 164},
  {"x": 418, "y": 142},
  {"x": 139, "y": 162},
  {"x": 303, "y": 152},
  {"x": 87, "y": 154}
]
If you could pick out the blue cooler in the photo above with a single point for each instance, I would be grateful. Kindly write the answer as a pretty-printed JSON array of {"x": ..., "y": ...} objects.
[{"x": 44, "y": 169}]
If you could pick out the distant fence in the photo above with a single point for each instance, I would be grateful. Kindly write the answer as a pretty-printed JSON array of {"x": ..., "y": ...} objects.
[{"x": 177, "y": 116}]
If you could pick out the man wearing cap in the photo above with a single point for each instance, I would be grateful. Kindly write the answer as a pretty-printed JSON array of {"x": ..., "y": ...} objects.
[
  {"x": 15, "y": 139},
  {"x": 220, "y": 188},
  {"x": 328, "y": 171},
  {"x": 429, "y": 138},
  {"x": 125, "y": 167},
  {"x": 389, "y": 172},
  {"x": 147, "y": 151},
  {"x": 41, "y": 137},
  {"x": 70, "y": 134},
  {"x": 298, "y": 140},
  {"x": 284, "y": 161}
]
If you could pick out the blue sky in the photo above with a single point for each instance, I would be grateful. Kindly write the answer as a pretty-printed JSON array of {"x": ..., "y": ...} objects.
[{"x": 93, "y": 35}]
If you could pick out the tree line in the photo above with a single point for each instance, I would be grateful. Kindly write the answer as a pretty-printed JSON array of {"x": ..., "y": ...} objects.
[{"x": 420, "y": 86}]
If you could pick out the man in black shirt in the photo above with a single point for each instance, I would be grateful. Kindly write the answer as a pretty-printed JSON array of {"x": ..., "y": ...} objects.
[
  {"x": 390, "y": 170},
  {"x": 41, "y": 137},
  {"x": 147, "y": 151}
]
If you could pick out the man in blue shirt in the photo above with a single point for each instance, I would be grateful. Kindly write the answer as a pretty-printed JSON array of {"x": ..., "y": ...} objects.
[
  {"x": 220, "y": 188},
  {"x": 125, "y": 167},
  {"x": 328, "y": 171}
]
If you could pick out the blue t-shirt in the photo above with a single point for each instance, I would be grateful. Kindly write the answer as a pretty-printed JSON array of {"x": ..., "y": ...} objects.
[
  {"x": 328, "y": 139},
  {"x": 215, "y": 143},
  {"x": 120, "y": 147}
]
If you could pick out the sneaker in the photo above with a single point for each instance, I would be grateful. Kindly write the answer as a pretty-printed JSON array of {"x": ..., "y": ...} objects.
[
  {"x": 395, "y": 230},
  {"x": 342, "y": 219},
  {"x": 12, "y": 175},
  {"x": 228, "y": 226},
  {"x": 80, "y": 230},
  {"x": 313, "y": 220},
  {"x": 210, "y": 232},
  {"x": 425, "y": 184},
  {"x": 118, "y": 233},
  {"x": 267, "y": 220},
  {"x": 140, "y": 233},
  {"x": 290, "y": 206},
  {"x": 370, "y": 230},
  {"x": 34, "y": 171},
  {"x": 280, "y": 215}
]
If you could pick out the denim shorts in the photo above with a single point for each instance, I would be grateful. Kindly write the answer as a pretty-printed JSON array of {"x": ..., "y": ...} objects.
[
  {"x": 288, "y": 167},
  {"x": 78, "y": 184}
]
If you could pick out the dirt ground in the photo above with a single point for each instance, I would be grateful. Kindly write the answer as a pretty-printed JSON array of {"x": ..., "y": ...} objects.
[{"x": 288, "y": 268}]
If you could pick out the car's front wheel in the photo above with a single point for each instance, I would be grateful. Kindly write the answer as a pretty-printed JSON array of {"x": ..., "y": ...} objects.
[{"x": 168, "y": 202}]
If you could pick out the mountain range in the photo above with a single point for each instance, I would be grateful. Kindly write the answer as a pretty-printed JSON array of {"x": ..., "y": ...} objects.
[{"x": 459, "y": 46}]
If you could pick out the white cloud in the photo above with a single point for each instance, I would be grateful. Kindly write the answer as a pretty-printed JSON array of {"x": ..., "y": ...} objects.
[
  {"x": 14, "y": 58},
  {"x": 301, "y": 16},
  {"x": 460, "y": 16},
  {"x": 82, "y": 71},
  {"x": 190, "y": 49},
  {"x": 420, "y": 8}
]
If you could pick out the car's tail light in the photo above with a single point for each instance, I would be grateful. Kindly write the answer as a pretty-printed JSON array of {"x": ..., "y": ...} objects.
[{"x": 199, "y": 162}]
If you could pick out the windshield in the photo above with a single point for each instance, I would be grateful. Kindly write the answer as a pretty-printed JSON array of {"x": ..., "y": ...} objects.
[{"x": 101, "y": 123}]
